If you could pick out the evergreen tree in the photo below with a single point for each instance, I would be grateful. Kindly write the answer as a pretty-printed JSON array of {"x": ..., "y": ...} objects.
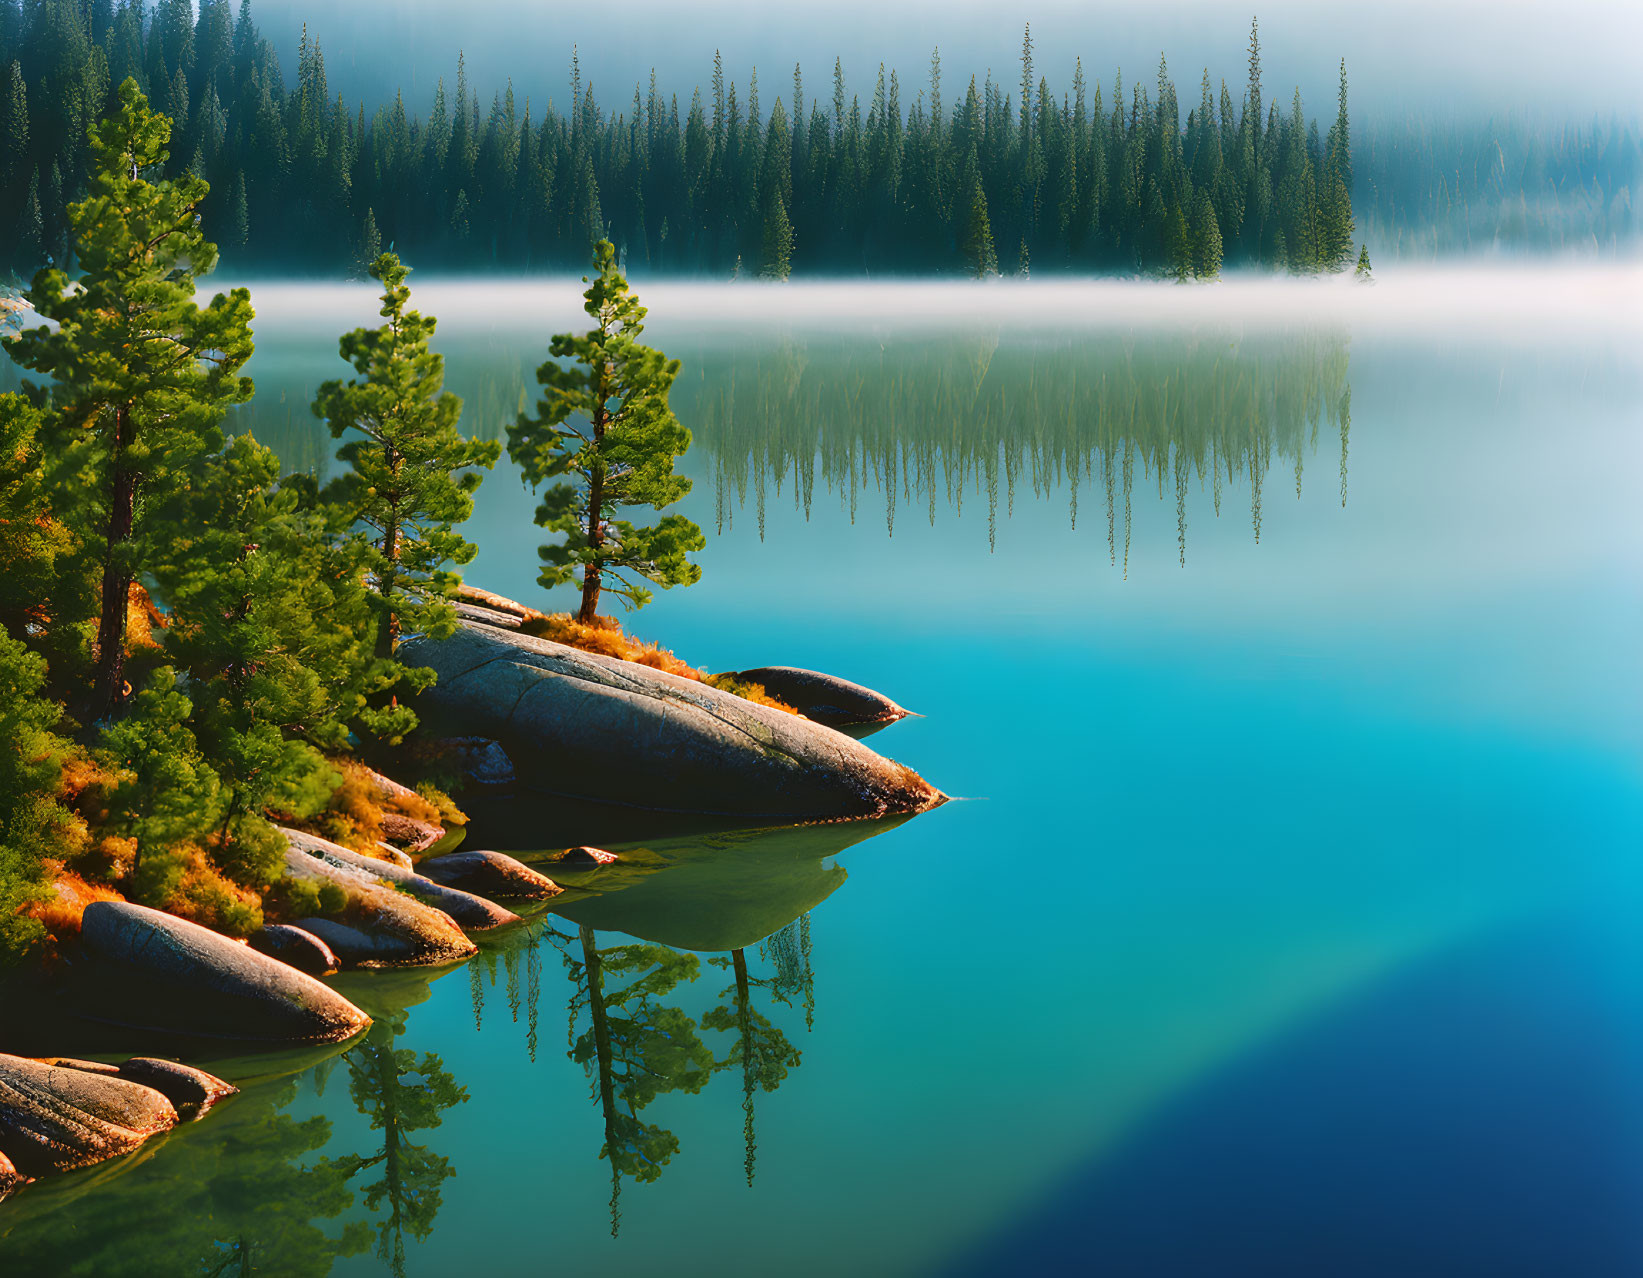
[
  {"x": 411, "y": 475},
  {"x": 622, "y": 457},
  {"x": 34, "y": 826},
  {"x": 258, "y": 600},
  {"x": 1206, "y": 236},
  {"x": 1362, "y": 272},
  {"x": 979, "y": 256},
  {"x": 142, "y": 374},
  {"x": 167, "y": 796},
  {"x": 777, "y": 262}
]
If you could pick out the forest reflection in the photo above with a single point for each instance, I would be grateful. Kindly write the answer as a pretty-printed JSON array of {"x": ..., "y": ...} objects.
[{"x": 929, "y": 423}]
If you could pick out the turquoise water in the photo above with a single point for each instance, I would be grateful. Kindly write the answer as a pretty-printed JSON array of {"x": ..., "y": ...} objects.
[{"x": 1286, "y": 922}]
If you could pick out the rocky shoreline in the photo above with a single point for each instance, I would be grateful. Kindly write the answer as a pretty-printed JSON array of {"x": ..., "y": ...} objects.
[{"x": 528, "y": 708}]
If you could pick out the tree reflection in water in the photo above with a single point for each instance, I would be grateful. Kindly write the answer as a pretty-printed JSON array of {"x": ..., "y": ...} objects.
[{"x": 400, "y": 1093}]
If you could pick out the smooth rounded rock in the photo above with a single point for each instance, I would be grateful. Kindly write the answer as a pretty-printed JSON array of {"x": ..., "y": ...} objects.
[
  {"x": 54, "y": 1118},
  {"x": 596, "y": 727},
  {"x": 825, "y": 698},
  {"x": 379, "y": 927},
  {"x": 203, "y": 983},
  {"x": 490, "y": 874},
  {"x": 471, "y": 912},
  {"x": 295, "y": 947},
  {"x": 192, "y": 1091}
]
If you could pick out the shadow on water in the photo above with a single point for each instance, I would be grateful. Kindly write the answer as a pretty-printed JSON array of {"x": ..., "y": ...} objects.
[{"x": 1472, "y": 1114}]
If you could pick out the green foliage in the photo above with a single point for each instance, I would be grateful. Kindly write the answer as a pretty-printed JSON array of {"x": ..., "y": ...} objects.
[
  {"x": 167, "y": 794},
  {"x": 141, "y": 373},
  {"x": 980, "y": 259},
  {"x": 410, "y": 480},
  {"x": 622, "y": 457},
  {"x": 36, "y": 551},
  {"x": 1363, "y": 263},
  {"x": 34, "y": 826},
  {"x": 271, "y": 623}
]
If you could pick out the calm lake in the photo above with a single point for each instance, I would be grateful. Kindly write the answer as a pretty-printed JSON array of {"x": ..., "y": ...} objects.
[{"x": 1281, "y": 640}]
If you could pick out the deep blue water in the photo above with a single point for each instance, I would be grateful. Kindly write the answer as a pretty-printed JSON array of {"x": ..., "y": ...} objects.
[{"x": 1287, "y": 922}]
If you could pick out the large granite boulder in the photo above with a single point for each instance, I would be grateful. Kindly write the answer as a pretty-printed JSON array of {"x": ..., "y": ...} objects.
[
  {"x": 826, "y": 698},
  {"x": 379, "y": 926},
  {"x": 473, "y": 913},
  {"x": 490, "y": 874},
  {"x": 595, "y": 727},
  {"x": 54, "y": 1118},
  {"x": 187, "y": 978}
]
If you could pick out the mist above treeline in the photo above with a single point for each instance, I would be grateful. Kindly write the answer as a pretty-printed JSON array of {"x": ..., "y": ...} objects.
[{"x": 1005, "y": 174}]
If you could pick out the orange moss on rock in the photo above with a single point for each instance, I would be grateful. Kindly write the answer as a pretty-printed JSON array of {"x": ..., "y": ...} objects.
[
  {"x": 65, "y": 902},
  {"x": 353, "y": 818},
  {"x": 604, "y": 636}
]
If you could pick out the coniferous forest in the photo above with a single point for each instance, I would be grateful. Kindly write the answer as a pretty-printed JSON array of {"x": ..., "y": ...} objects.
[{"x": 740, "y": 179}]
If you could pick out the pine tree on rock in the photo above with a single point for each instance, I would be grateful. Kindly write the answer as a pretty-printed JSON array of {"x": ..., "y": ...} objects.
[
  {"x": 142, "y": 374},
  {"x": 411, "y": 475},
  {"x": 604, "y": 421}
]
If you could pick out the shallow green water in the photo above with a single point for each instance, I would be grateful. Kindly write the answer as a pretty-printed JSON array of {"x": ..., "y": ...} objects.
[{"x": 1286, "y": 661}]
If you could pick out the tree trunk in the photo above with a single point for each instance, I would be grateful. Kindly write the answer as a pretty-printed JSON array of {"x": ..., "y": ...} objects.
[
  {"x": 109, "y": 690},
  {"x": 591, "y": 576},
  {"x": 388, "y": 630}
]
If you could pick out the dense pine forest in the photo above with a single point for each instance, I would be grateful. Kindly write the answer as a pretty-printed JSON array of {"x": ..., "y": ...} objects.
[{"x": 940, "y": 177}]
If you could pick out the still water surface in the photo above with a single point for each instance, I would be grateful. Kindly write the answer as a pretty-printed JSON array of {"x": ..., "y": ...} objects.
[{"x": 1284, "y": 652}]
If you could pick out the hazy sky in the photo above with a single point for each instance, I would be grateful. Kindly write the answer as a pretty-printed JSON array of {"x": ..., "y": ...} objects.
[{"x": 1544, "y": 58}]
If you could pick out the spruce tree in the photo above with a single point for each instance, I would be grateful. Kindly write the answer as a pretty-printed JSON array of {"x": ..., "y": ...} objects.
[
  {"x": 1362, "y": 272},
  {"x": 1206, "y": 235},
  {"x": 411, "y": 474},
  {"x": 980, "y": 259},
  {"x": 142, "y": 374},
  {"x": 605, "y": 422},
  {"x": 777, "y": 263}
]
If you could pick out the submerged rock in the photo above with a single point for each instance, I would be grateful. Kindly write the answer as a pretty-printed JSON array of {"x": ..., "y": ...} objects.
[
  {"x": 585, "y": 858},
  {"x": 379, "y": 927},
  {"x": 190, "y": 979},
  {"x": 596, "y": 727},
  {"x": 490, "y": 874},
  {"x": 474, "y": 913},
  {"x": 291, "y": 945},
  {"x": 192, "y": 1091},
  {"x": 825, "y": 698},
  {"x": 54, "y": 1118}
]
